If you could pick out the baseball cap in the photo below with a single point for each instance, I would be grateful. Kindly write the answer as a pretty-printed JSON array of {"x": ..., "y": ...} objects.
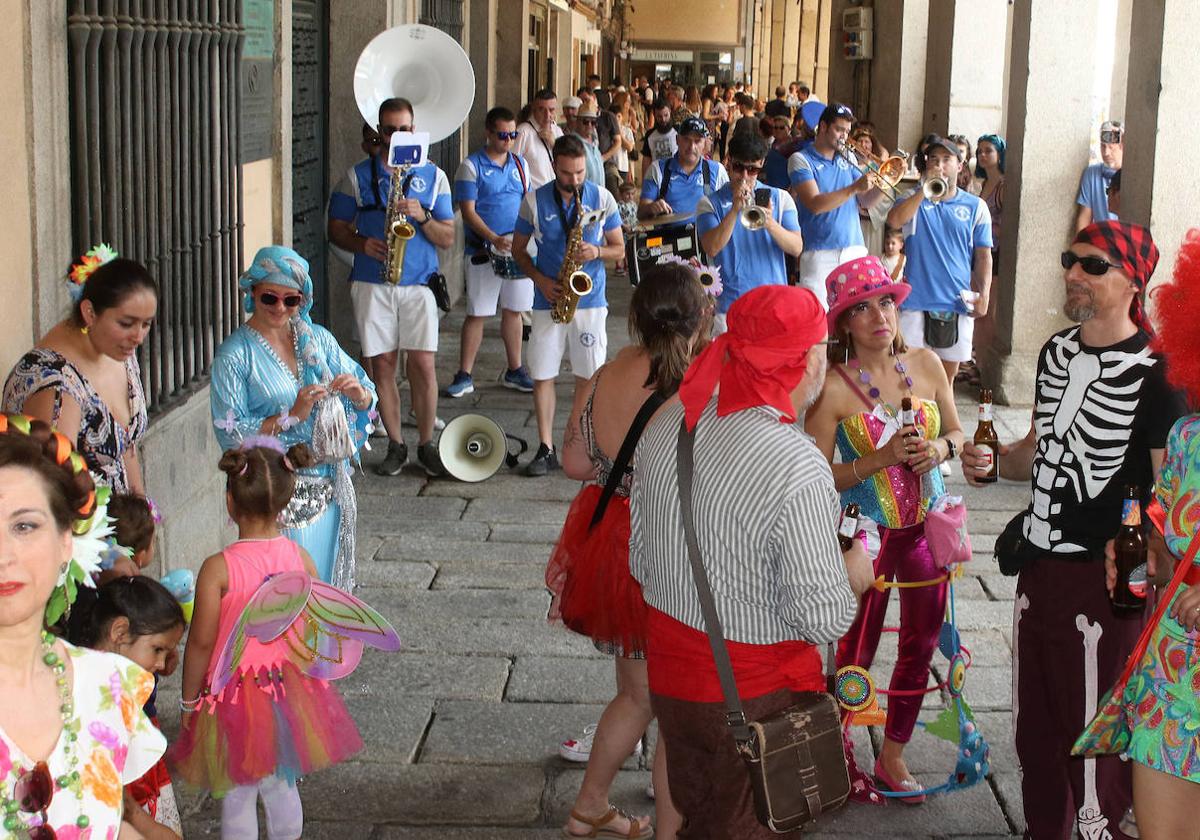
[
  {"x": 943, "y": 143},
  {"x": 836, "y": 111},
  {"x": 1111, "y": 131},
  {"x": 572, "y": 102},
  {"x": 693, "y": 125}
]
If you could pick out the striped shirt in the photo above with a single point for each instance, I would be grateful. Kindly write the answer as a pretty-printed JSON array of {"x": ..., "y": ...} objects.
[{"x": 766, "y": 516}]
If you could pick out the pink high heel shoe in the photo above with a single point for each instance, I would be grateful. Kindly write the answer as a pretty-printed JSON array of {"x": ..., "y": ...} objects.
[{"x": 885, "y": 782}]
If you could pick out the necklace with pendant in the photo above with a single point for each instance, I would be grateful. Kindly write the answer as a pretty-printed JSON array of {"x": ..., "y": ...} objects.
[{"x": 873, "y": 392}]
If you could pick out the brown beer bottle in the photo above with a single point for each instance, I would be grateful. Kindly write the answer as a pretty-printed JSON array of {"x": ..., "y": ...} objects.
[
  {"x": 908, "y": 417},
  {"x": 848, "y": 526},
  {"x": 1129, "y": 545},
  {"x": 985, "y": 438}
]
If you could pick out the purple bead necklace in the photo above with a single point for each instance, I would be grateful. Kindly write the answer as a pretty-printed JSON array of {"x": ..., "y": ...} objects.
[{"x": 865, "y": 378}]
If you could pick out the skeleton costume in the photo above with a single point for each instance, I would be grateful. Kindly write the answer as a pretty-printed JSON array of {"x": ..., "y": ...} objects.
[{"x": 1099, "y": 413}]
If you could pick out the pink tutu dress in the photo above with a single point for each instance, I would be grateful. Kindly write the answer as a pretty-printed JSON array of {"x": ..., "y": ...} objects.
[{"x": 270, "y": 720}]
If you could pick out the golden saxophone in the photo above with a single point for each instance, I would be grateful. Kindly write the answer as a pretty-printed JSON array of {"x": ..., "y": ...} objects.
[
  {"x": 573, "y": 281},
  {"x": 398, "y": 230}
]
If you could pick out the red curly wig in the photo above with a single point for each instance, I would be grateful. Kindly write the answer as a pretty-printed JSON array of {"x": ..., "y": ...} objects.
[{"x": 1179, "y": 329}]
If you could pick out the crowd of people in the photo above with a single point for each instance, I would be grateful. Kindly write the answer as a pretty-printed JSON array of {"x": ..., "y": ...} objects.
[{"x": 763, "y": 389}]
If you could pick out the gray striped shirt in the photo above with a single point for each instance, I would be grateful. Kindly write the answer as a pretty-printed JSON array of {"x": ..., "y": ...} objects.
[{"x": 766, "y": 517}]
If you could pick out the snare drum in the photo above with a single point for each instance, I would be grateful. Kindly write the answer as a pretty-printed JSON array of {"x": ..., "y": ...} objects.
[{"x": 674, "y": 234}]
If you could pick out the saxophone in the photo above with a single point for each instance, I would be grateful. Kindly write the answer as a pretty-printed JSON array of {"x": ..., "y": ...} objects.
[
  {"x": 398, "y": 230},
  {"x": 573, "y": 281}
]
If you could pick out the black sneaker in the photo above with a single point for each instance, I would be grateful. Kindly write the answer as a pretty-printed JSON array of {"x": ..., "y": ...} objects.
[
  {"x": 545, "y": 460},
  {"x": 394, "y": 461},
  {"x": 427, "y": 455}
]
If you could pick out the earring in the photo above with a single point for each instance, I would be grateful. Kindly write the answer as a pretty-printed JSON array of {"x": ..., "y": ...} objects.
[{"x": 84, "y": 329}]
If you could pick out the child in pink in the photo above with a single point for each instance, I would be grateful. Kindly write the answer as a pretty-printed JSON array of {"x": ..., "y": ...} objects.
[{"x": 271, "y": 723}]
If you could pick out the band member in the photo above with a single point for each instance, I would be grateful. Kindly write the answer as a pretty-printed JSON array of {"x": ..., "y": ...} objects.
[
  {"x": 536, "y": 136},
  {"x": 829, "y": 192},
  {"x": 489, "y": 187},
  {"x": 548, "y": 216},
  {"x": 948, "y": 243},
  {"x": 677, "y": 184},
  {"x": 747, "y": 257},
  {"x": 396, "y": 316}
]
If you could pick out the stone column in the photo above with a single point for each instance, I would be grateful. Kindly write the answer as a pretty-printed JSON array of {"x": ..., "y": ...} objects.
[
  {"x": 1120, "y": 74},
  {"x": 820, "y": 81},
  {"x": 1159, "y": 166},
  {"x": 1049, "y": 128},
  {"x": 898, "y": 72},
  {"x": 806, "y": 58},
  {"x": 939, "y": 62},
  {"x": 788, "y": 72},
  {"x": 964, "y": 71},
  {"x": 483, "y": 45}
]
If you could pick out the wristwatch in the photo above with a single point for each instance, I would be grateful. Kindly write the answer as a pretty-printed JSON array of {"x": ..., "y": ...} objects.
[
  {"x": 951, "y": 449},
  {"x": 428, "y": 216}
]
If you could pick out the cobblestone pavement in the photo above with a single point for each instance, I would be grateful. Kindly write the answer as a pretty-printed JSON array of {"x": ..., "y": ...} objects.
[{"x": 462, "y": 726}]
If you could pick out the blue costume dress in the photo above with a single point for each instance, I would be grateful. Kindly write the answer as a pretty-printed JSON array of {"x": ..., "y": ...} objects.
[{"x": 250, "y": 383}]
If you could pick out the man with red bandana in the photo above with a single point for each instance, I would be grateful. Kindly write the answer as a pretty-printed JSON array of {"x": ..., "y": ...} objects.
[
  {"x": 766, "y": 514},
  {"x": 1102, "y": 413}
]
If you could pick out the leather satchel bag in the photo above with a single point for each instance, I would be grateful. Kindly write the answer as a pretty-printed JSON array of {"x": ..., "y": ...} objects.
[{"x": 795, "y": 757}]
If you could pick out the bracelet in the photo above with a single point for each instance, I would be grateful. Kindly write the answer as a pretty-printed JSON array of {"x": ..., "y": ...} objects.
[
  {"x": 286, "y": 421},
  {"x": 854, "y": 469},
  {"x": 190, "y": 705}
]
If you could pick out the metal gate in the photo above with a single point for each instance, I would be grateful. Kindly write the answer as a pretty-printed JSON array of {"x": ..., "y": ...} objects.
[
  {"x": 446, "y": 15},
  {"x": 310, "y": 74},
  {"x": 154, "y": 132}
]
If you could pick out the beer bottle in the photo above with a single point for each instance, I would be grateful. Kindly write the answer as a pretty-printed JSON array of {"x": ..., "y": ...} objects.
[
  {"x": 848, "y": 526},
  {"x": 1129, "y": 545},
  {"x": 908, "y": 417},
  {"x": 985, "y": 438}
]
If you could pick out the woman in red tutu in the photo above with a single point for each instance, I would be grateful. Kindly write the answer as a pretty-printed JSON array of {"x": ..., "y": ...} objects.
[{"x": 588, "y": 573}]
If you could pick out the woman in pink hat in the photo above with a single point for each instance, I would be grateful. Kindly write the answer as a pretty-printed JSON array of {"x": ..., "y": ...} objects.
[{"x": 888, "y": 465}]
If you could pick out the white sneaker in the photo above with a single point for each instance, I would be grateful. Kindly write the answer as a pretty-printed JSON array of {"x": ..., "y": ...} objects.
[
  {"x": 580, "y": 749},
  {"x": 438, "y": 422}
]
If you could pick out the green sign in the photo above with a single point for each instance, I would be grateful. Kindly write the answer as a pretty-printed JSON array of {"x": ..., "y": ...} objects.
[{"x": 258, "y": 18}]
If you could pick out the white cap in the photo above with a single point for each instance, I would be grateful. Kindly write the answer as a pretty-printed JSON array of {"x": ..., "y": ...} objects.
[{"x": 572, "y": 102}]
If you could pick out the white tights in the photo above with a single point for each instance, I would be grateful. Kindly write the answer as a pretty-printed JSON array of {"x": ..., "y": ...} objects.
[{"x": 281, "y": 802}]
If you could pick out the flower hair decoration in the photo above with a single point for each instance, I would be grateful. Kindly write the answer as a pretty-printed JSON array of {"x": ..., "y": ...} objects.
[
  {"x": 708, "y": 276},
  {"x": 89, "y": 262}
]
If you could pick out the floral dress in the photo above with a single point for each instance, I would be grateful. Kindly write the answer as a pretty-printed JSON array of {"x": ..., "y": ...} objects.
[
  {"x": 116, "y": 743},
  {"x": 103, "y": 440}
]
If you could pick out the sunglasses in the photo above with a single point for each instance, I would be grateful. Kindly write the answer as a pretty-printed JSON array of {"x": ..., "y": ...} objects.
[
  {"x": 748, "y": 168},
  {"x": 33, "y": 793},
  {"x": 270, "y": 299},
  {"x": 506, "y": 135},
  {"x": 588, "y": 120},
  {"x": 1095, "y": 266},
  {"x": 1110, "y": 137}
]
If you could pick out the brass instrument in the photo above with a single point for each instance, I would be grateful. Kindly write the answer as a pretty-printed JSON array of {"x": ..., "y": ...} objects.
[
  {"x": 934, "y": 189},
  {"x": 398, "y": 230},
  {"x": 883, "y": 176},
  {"x": 753, "y": 217},
  {"x": 573, "y": 281}
]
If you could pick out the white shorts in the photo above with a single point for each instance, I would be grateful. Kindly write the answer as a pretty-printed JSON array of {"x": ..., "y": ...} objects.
[
  {"x": 394, "y": 317},
  {"x": 815, "y": 266},
  {"x": 585, "y": 337},
  {"x": 912, "y": 327},
  {"x": 485, "y": 289}
]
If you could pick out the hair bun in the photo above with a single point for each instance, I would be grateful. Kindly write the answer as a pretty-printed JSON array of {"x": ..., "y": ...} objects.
[{"x": 233, "y": 461}]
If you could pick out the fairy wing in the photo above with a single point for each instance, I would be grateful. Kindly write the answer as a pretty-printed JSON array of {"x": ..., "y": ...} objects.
[
  {"x": 271, "y": 610},
  {"x": 328, "y": 639}
]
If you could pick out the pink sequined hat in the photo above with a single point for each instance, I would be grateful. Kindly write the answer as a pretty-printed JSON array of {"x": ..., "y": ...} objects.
[{"x": 864, "y": 277}]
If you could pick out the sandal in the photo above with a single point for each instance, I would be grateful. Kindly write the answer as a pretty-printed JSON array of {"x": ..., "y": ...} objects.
[{"x": 599, "y": 826}]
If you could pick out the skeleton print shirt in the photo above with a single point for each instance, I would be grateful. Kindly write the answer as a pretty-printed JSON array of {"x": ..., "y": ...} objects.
[{"x": 1099, "y": 412}]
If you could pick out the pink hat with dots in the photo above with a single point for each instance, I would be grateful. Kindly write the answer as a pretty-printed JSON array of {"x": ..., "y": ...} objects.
[{"x": 859, "y": 279}]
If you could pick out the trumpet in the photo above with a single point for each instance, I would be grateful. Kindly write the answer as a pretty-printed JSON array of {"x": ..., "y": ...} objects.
[
  {"x": 934, "y": 189},
  {"x": 883, "y": 175},
  {"x": 752, "y": 217}
]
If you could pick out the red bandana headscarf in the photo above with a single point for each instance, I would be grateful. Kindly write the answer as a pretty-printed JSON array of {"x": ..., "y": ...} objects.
[
  {"x": 761, "y": 359},
  {"x": 1131, "y": 248}
]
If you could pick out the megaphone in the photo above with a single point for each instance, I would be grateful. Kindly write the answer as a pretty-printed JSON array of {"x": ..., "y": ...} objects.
[{"x": 473, "y": 447}]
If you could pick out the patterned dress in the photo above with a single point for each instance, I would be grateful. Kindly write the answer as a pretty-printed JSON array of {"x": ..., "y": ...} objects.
[
  {"x": 115, "y": 744},
  {"x": 103, "y": 440}
]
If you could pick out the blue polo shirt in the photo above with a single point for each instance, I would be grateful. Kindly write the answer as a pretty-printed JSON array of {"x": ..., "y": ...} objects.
[
  {"x": 541, "y": 220},
  {"x": 1093, "y": 191},
  {"x": 750, "y": 258},
  {"x": 684, "y": 191},
  {"x": 362, "y": 200},
  {"x": 838, "y": 228},
  {"x": 939, "y": 242},
  {"x": 496, "y": 190}
]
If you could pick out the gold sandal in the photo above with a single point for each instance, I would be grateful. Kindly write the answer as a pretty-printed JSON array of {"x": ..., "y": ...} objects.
[{"x": 599, "y": 826}]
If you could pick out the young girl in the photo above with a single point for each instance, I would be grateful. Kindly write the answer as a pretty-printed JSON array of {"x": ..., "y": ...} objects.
[
  {"x": 133, "y": 528},
  {"x": 893, "y": 253},
  {"x": 270, "y": 724},
  {"x": 628, "y": 206},
  {"x": 139, "y": 619}
]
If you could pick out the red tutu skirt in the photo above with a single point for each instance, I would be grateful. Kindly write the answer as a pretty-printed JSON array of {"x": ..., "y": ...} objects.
[{"x": 588, "y": 575}]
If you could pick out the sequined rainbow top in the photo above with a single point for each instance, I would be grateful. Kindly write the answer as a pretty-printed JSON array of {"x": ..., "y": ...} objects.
[{"x": 892, "y": 497}]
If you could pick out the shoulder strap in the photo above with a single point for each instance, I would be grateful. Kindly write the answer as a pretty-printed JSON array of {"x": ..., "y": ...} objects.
[
  {"x": 854, "y": 387},
  {"x": 625, "y": 455},
  {"x": 664, "y": 185},
  {"x": 735, "y": 715},
  {"x": 706, "y": 174},
  {"x": 516, "y": 159}
]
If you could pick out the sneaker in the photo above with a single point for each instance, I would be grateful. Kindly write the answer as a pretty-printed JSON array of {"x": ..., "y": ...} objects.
[
  {"x": 518, "y": 380},
  {"x": 394, "y": 461},
  {"x": 377, "y": 430},
  {"x": 545, "y": 460},
  {"x": 580, "y": 749},
  {"x": 438, "y": 422},
  {"x": 462, "y": 385},
  {"x": 427, "y": 454}
]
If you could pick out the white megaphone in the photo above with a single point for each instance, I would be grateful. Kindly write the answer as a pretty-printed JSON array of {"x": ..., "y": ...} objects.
[{"x": 473, "y": 447}]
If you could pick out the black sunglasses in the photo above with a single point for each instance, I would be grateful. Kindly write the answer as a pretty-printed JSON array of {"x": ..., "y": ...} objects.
[
  {"x": 507, "y": 135},
  {"x": 33, "y": 793},
  {"x": 1095, "y": 266},
  {"x": 748, "y": 168},
  {"x": 270, "y": 299},
  {"x": 1110, "y": 137}
]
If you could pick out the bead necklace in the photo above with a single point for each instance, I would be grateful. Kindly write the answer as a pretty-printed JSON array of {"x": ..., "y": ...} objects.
[
  {"x": 873, "y": 392},
  {"x": 70, "y": 779}
]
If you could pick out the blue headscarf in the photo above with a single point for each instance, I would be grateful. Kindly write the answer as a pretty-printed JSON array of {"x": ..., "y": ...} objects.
[
  {"x": 279, "y": 266},
  {"x": 1000, "y": 145}
]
